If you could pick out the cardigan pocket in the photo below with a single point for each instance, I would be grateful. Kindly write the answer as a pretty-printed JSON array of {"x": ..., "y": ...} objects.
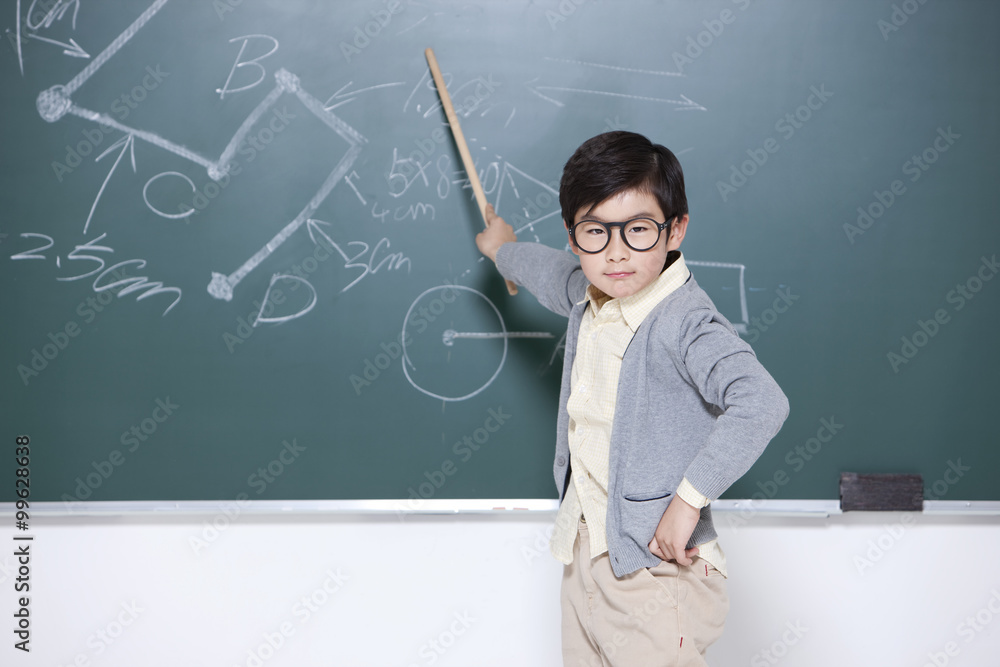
[
  {"x": 640, "y": 515},
  {"x": 644, "y": 496}
]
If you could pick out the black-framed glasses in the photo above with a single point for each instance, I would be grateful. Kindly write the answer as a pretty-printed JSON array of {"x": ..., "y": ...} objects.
[{"x": 639, "y": 234}]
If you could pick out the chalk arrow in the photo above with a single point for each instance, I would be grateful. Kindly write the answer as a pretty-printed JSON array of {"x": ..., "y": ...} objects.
[
  {"x": 350, "y": 95},
  {"x": 683, "y": 104},
  {"x": 313, "y": 226},
  {"x": 71, "y": 49},
  {"x": 615, "y": 68},
  {"x": 128, "y": 146}
]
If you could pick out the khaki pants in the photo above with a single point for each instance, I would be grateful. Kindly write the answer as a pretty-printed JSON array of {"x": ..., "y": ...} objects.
[{"x": 662, "y": 616}]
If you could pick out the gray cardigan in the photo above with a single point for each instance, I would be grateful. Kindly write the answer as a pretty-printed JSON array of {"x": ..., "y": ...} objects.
[{"x": 693, "y": 401}]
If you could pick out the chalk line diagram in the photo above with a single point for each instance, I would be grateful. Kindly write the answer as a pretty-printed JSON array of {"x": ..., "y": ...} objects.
[
  {"x": 448, "y": 298},
  {"x": 741, "y": 269},
  {"x": 56, "y": 102},
  {"x": 550, "y": 93}
]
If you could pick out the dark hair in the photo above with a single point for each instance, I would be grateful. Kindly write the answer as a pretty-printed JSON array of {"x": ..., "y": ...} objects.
[{"x": 613, "y": 162}]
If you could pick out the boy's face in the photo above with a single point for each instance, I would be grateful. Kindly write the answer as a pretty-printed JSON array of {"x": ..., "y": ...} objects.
[{"x": 619, "y": 271}]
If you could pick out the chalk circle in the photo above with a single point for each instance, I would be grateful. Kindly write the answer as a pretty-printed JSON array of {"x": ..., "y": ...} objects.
[{"x": 406, "y": 359}]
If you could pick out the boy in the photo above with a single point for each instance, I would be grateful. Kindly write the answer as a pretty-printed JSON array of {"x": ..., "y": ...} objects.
[{"x": 662, "y": 408}]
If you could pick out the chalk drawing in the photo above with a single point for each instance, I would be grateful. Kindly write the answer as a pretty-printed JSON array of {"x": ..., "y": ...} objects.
[
  {"x": 128, "y": 145},
  {"x": 238, "y": 64},
  {"x": 221, "y": 286},
  {"x": 392, "y": 261},
  {"x": 284, "y": 318},
  {"x": 72, "y": 49},
  {"x": 126, "y": 285},
  {"x": 54, "y": 13},
  {"x": 615, "y": 68},
  {"x": 408, "y": 364},
  {"x": 56, "y": 102},
  {"x": 145, "y": 195},
  {"x": 450, "y": 335},
  {"x": 30, "y": 254},
  {"x": 685, "y": 103},
  {"x": 351, "y": 95},
  {"x": 741, "y": 282}
]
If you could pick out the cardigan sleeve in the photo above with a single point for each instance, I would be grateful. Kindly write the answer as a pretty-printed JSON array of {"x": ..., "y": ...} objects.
[
  {"x": 726, "y": 372},
  {"x": 553, "y": 276}
]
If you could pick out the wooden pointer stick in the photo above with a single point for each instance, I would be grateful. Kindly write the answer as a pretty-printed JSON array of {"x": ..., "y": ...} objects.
[{"x": 463, "y": 148}]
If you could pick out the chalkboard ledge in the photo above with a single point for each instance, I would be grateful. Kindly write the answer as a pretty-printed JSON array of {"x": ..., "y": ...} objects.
[{"x": 744, "y": 508}]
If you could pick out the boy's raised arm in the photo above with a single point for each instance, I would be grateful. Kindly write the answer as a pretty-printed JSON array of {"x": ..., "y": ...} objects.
[{"x": 553, "y": 276}]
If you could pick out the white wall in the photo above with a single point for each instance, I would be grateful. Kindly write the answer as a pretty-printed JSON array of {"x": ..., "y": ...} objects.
[{"x": 482, "y": 588}]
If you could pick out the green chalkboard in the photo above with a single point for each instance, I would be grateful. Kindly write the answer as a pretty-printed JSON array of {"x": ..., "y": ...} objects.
[{"x": 236, "y": 249}]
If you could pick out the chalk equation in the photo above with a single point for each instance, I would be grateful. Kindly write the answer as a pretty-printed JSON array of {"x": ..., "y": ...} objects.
[{"x": 85, "y": 253}]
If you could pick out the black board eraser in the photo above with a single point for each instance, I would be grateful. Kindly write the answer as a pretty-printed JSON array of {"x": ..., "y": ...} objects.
[{"x": 881, "y": 492}]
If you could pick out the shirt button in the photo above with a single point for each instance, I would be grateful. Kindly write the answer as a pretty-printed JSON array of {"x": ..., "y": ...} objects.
[{"x": 561, "y": 461}]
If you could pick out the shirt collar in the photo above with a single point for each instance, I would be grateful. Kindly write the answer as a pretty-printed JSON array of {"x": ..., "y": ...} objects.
[{"x": 636, "y": 307}]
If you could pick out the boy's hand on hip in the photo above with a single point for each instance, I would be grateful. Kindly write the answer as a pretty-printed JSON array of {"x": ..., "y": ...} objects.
[
  {"x": 674, "y": 531},
  {"x": 497, "y": 233}
]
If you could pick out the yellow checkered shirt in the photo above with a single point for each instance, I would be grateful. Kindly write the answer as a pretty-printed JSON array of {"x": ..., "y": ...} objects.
[{"x": 605, "y": 332}]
